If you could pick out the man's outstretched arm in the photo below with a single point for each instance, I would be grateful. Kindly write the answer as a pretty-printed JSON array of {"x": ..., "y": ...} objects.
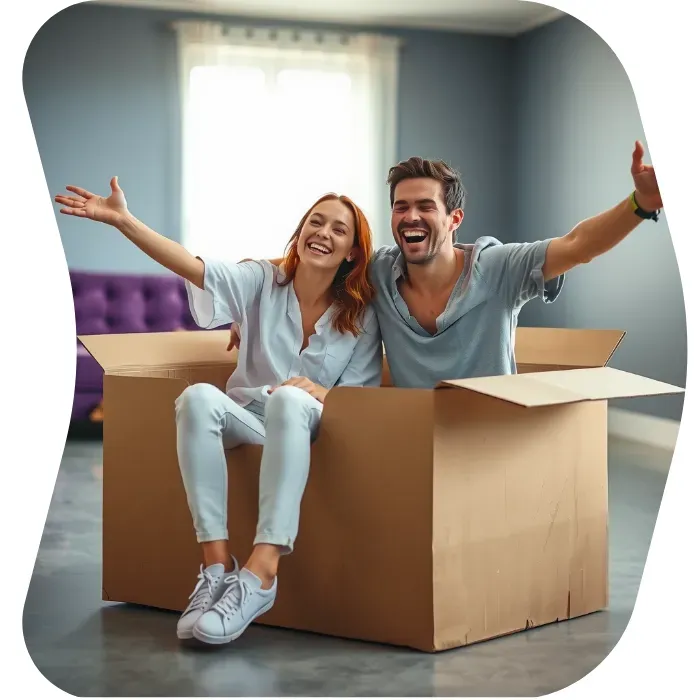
[{"x": 599, "y": 234}]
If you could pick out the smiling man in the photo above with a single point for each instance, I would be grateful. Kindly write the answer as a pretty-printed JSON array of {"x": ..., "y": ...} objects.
[{"x": 449, "y": 310}]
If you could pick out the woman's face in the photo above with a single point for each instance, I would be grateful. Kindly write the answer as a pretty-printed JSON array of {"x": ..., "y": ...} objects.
[{"x": 327, "y": 236}]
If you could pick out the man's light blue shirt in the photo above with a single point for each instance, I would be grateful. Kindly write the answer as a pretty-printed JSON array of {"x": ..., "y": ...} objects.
[{"x": 476, "y": 332}]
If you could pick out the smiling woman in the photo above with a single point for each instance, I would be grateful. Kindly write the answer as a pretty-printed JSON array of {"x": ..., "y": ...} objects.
[
  {"x": 305, "y": 328},
  {"x": 334, "y": 235}
]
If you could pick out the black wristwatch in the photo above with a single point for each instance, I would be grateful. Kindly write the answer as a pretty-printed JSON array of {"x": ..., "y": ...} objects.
[{"x": 642, "y": 213}]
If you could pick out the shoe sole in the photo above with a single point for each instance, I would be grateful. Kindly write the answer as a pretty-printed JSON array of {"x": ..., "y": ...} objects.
[{"x": 231, "y": 637}]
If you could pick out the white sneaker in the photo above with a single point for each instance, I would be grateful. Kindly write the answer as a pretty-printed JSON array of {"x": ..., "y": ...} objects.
[
  {"x": 210, "y": 587},
  {"x": 242, "y": 602}
]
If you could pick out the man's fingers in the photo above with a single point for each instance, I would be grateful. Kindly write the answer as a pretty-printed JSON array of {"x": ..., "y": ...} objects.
[{"x": 637, "y": 156}]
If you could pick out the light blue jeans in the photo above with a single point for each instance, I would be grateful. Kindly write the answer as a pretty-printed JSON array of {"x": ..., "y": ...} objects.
[{"x": 208, "y": 422}]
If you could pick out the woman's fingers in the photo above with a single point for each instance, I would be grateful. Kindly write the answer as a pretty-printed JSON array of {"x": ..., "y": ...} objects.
[
  {"x": 80, "y": 191},
  {"x": 70, "y": 201},
  {"x": 74, "y": 206},
  {"x": 73, "y": 212},
  {"x": 299, "y": 382}
]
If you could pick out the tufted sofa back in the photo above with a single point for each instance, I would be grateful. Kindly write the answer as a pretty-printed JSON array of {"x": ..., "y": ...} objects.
[{"x": 129, "y": 303}]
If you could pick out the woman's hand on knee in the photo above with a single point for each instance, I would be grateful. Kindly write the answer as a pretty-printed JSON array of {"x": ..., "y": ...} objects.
[{"x": 315, "y": 390}]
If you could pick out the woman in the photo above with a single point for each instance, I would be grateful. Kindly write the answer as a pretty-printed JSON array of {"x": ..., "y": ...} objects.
[{"x": 305, "y": 327}]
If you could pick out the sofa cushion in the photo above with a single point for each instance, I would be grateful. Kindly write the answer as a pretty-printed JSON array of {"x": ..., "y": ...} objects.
[
  {"x": 84, "y": 403},
  {"x": 88, "y": 373},
  {"x": 121, "y": 303}
]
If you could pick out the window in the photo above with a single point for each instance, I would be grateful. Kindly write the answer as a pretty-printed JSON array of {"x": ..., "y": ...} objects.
[{"x": 272, "y": 120}]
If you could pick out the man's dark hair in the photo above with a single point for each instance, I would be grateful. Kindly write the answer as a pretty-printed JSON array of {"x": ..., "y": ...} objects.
[{"x": 452, "y": 189}]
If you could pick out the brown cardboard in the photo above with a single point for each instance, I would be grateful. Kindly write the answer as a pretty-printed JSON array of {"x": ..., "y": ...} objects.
[
  {"x": 433, "y": 518},
  {"x": 564, "y": 386},
  {"x": 171, "y": 349},
  {"x": 567, "y": 348}
]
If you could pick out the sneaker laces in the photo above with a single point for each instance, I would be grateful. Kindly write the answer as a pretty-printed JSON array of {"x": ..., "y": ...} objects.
[
  {"x": 203, "y": 591},
  {"x": 234, "y": 596}
]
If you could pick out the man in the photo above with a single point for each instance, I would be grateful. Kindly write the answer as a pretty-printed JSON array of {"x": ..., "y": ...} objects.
[{"x": 448, "y": 310}]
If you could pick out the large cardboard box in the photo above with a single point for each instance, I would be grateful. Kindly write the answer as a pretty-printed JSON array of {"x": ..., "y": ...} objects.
[{"x": 433, "y": 518}]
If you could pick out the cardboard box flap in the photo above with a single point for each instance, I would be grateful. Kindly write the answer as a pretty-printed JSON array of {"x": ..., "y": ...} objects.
[
  {"x": 116, "y": 351},
  {"x": 567, "y": 386},
  {"x": 566, "y": 347}
]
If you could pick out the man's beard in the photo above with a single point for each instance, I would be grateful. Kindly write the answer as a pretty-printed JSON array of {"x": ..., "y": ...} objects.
[
  {"x": 432, "y": 240},
  {"x": 428, "y": 257}
]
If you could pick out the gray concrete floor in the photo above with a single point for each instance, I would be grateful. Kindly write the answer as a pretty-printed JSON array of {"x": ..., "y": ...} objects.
[{"x": 89, "y": 648}]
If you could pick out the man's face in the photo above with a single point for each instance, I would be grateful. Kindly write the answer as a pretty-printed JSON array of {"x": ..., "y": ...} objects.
[{"x": 421, "y": 225}]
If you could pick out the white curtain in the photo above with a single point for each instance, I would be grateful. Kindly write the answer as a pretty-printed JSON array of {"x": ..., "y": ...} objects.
[{"x": 274, "y": 119}]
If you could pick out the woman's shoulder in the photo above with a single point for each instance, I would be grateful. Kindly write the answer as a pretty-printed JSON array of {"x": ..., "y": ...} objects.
[
  {"x": 366, "y": 322},
  {"x": 267, "y": 273}
]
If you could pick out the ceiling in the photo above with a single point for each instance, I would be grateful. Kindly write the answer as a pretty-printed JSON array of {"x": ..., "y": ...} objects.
[{"x": 500, "y": 17}]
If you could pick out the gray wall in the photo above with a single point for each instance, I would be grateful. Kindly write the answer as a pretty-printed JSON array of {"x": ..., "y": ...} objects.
[
  {"x": 577, "y": 120},
  {"x": 541, "y": 127},
  {"x": 101, "y": 88}
]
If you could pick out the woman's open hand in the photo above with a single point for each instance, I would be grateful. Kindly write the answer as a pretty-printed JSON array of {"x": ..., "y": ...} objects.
[{"x": 108, "y": 210}]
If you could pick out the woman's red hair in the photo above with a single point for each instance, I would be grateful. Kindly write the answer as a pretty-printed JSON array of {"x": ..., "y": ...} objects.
[{"x": 352, "y": 288}]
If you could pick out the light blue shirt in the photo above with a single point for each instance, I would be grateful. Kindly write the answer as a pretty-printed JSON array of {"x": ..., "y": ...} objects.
[
  {"x": 476, "y": 332},
  {"x": 270, "y": 327}
]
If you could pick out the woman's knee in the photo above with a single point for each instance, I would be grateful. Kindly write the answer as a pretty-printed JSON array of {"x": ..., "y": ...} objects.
[
  {"x": 197, "y": 400},
  {"x": 288, "y": 402}
]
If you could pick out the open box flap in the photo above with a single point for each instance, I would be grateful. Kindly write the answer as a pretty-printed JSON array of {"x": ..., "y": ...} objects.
[
  {"x": 562, "y": 387},
  {"x": 566, "y": 347},
  {"x": 115, "y": 351}
]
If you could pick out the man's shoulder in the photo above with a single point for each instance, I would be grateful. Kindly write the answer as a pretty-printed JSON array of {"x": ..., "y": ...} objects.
[
  {"x": 481, "y": 244},
  {"x": 386, "y": 255},
  {"x": 488, "y": 251},
  {"x": 382, "y": 263}
]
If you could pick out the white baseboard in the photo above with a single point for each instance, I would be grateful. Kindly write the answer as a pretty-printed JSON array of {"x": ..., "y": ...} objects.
[{"x": 640, "y": 427}]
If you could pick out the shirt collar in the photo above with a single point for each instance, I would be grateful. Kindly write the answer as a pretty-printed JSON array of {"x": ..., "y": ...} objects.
[{"x": 398, "y": 269}]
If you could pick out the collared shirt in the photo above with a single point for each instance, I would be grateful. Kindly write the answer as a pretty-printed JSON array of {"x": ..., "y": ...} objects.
[
  {"x": 476, "y": 332},
  {"x": 270, "y": 327}
]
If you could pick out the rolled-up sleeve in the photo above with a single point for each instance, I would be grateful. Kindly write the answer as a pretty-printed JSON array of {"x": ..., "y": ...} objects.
[
  {"x": 229, "y": 289},
  {"x": 365, "y": 366},
  {"x": 514, "y": 272}
]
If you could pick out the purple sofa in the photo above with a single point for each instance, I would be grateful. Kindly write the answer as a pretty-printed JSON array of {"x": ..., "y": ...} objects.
[{"x": 120, "y": 303}]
